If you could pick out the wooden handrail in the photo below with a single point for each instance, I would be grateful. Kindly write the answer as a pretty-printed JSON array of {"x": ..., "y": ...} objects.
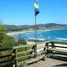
[
  {"x": 23, "y": 46},
  {"x": 24, "y": 52},
  {"x": 9, "y": 60},
  {"x": 16, "y": 47},
  {"x": 7, "y": 55},
  {"x": 5, "y": 49}
]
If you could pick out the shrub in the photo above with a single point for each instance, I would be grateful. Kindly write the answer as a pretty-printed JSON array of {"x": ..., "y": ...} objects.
[
  {"x": 22, "y": 41},
  {"x": 5, "y": 40}
]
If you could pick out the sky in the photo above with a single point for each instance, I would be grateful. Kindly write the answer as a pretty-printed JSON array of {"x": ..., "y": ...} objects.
[{"x": 21, "y": 12}]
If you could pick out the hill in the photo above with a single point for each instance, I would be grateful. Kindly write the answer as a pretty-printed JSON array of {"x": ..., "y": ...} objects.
[{"x": 32, "y": 27}]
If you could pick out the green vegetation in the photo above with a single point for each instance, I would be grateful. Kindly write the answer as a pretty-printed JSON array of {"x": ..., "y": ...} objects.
[
  {"x": 5, "y": 40},
  {"x": 22, "y": 41},
  {"x": 1, "y": 33},
  {"x": 8, "y": 41}
]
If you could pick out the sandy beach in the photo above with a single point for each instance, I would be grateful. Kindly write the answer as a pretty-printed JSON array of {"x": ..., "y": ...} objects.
[
  {"x": 12, "y": 33},
  {"x": 17, "y": 32}
]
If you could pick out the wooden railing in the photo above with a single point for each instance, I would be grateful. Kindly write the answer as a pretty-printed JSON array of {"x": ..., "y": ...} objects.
[
  {"x": 52, "y": 48},
  {"x": 12, "y": 56}
]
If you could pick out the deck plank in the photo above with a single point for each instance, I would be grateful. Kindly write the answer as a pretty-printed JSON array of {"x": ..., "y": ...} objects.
[{"x": 48, "y": 63}]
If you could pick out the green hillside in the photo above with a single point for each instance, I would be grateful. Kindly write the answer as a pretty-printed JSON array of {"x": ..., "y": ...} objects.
[{"x": 32, "y": 27}]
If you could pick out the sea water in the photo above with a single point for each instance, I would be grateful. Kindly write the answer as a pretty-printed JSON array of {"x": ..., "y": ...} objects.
[{"x": 45, "y": 35}]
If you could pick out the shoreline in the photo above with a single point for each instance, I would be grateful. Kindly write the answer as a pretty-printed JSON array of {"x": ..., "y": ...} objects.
[
  {"x": 24, "y": 31},
  {"x": 21, "y": 32}
]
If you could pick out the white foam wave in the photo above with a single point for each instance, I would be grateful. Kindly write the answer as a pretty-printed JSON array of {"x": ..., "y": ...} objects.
[
  {"x": 41, "y": 35},
  {"x": 47, "y": 30},
  {"x": 31, "y": 38},
  {"x": 40, "y": 39},
  {"x": 49, "y": 37},
  {"x": 37, "y": 38},
  {"x": 61, "y": 38}
]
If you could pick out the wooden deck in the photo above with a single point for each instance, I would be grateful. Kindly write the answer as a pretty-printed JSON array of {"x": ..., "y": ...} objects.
[{"x": 49, "y": 63}]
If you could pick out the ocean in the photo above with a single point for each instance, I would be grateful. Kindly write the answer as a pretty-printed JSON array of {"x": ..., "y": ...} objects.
[{"x": 44, "y": 35}]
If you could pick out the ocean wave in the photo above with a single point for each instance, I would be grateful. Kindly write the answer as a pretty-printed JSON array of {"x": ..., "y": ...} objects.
[
  {"x": 40, "y": 39},
  {"x": 33, "y": 38},
  {"x": 41, "y": 35},
  {"x": 61, "y": 38},
  {"x": 47, "y": 30}
]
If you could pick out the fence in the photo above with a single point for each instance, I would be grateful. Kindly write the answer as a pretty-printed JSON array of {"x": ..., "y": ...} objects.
[
  {"x": 56, "y": 48},
  {"x": 12, "y": 56}
]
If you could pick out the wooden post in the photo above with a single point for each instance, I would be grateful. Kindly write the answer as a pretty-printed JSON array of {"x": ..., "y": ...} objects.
[
  {"x": 47, "y": 46},
  {"x": 15, "y": 57},
  {"x": 35, "y": 51},
  {"x": 53, "y": 46}
]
